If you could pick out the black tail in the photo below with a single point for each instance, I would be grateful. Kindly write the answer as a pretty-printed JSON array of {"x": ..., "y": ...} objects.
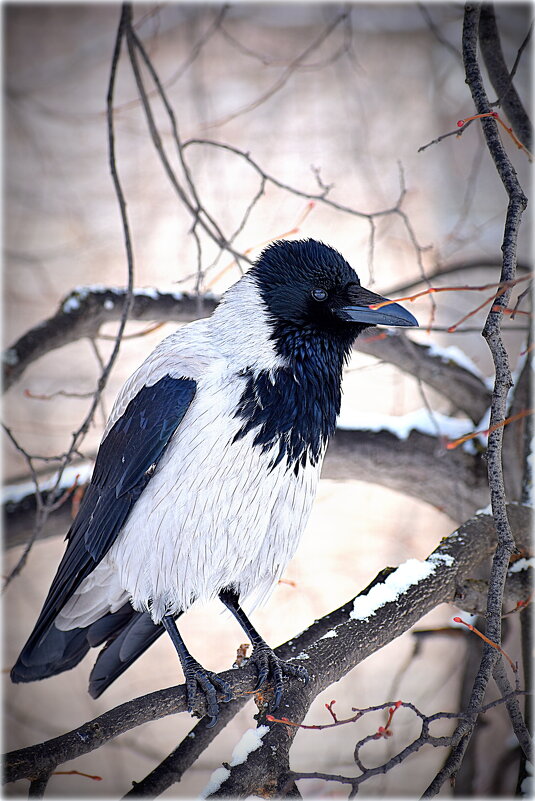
[
  {"x": 135, "y": 636},
  {"x": 59, "y": 651},
  {"x": 127, "y": 635}
]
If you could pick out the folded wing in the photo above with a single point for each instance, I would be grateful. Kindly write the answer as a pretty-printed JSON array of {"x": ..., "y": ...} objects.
[{"x": 126, "y": 460}]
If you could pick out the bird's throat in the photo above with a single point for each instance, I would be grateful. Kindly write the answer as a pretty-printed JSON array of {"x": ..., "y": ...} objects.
[{"x": 293, "y": 409}]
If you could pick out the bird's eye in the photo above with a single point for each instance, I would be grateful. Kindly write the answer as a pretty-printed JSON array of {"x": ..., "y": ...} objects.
[{"x": 319, "y": 294}]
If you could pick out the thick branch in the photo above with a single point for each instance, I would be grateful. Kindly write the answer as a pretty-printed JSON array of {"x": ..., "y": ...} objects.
[
  {"x": 331, "y": 658},
  {"x": 517, "y": 438},
  {"x": 452, "y": 481},
  {"x": 464, "y": 389},
  {"x": 173, "y": 767},
  {"x": 85, "y": 310},
  {"x": 82, "y": 313},
  {"x": 327, "y": 659}
]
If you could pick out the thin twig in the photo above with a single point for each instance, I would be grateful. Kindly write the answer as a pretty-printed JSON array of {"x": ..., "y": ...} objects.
[{"x": 286, "y": 75}]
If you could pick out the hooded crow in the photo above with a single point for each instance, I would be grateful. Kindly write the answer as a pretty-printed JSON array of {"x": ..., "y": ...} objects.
[{"x": 207, "y": 470}]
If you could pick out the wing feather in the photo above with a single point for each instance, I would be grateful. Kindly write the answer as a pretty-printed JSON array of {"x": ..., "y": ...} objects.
[{"x": 126, "y": 459}]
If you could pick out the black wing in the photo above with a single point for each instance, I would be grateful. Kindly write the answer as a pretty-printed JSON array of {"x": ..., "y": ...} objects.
[{"x": 123, "y": 468}]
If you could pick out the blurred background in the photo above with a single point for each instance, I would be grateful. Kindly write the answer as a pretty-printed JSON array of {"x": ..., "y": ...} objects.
[{"x": 326, "y": 98}]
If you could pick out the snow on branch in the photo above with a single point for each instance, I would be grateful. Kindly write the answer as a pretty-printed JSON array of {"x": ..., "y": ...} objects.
[
  {"x": 328, "y": 658},
  {"x": 83, "y": 312}
]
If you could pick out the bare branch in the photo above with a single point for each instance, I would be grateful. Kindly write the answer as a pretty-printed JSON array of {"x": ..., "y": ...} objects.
[
  {"x": 491, "y": 49},
  {"x": 328, "y": 659},
  {"x": 458, "y": 132},
  {"x": 517, "y": 439},
  {"x": 84, "y": 311},
  {"x": 444, "y": 270},
  {"x": 172, "y": 768},
  {"x": 286, "y": 74},
  {"x": 44, "y": 508},
  {"x": 466, "y": 390},
  {"x": 492, "y": 334},
  {"x": 453, "y": 481}
]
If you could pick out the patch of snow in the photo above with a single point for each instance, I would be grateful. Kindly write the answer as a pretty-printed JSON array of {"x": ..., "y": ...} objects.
[
  {"x": 16, "y": 492},
  {"x": 80, "y": 293},
  {"x": 402, "y": 425},
  {"x": 10, "y": 357},
  {"x": 331, "y": 633},
  {"x": 406, "y": 575},
  {"x": 178, "y": 295},
  {"x": 94, "y": 289},
  {"x": 216, "y": 780},
  {"x": 148, "y": 292},
  {"x": 71, "y": 304},
  {"x": 522, "y": 564},
  {"x": 302, "y": 655},
  {"x": 487, "y": 510},
  {"x": 454, "y": 354},
  {"x": 445, "y": 558},
  {"x": 527, "y": 787},
  {"x": 250, "y": 741}
]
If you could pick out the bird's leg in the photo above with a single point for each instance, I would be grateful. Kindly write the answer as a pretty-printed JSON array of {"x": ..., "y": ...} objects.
[
  {"x": 263, "y": 657},
  {"x": 195, "y": 674}
]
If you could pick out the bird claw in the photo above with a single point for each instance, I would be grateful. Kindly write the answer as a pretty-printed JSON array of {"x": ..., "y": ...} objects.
[
  {"x": 209, "y": 684},
  {"x": 269, "y": 665}
]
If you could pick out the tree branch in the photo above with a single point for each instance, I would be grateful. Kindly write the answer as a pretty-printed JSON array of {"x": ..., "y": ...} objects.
[
  {"x": 502, "y": 384},
  {"x": 491, "y": 50},
  {"x": 327, "y": 659},
  {"x": 453, "y": 481},
  {"x": 517, "y": 439},
  {"x": 173, "y": 767},
  {"x": 464, "y": 389},
  {"x": 85, "y": 310},
  {"x": 452, "y": 268},
  {"x": 44, "y": 509},
  {"x": 82, "y": 313}
]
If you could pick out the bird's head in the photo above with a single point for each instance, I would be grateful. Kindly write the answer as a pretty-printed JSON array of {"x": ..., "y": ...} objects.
[{"x": 309, "y": 287}]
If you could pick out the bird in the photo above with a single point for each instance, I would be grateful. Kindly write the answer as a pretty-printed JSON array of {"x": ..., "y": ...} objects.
[{"x": 206, "y": 473}]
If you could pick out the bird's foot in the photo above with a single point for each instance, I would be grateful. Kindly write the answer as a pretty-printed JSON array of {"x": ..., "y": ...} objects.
[
  {"x": 270, "y": 666},
  {"x": 209, "y": 684}
]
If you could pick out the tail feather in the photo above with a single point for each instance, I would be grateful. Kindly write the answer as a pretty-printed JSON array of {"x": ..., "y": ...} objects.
[
  {"x": 120, "y": 652},
  {"x": 127, "y": 635},
  {"x": 59, "y": 651}
]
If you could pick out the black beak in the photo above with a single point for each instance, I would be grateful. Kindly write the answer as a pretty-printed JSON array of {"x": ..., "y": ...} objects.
[{"x": 362, "y": 308}]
